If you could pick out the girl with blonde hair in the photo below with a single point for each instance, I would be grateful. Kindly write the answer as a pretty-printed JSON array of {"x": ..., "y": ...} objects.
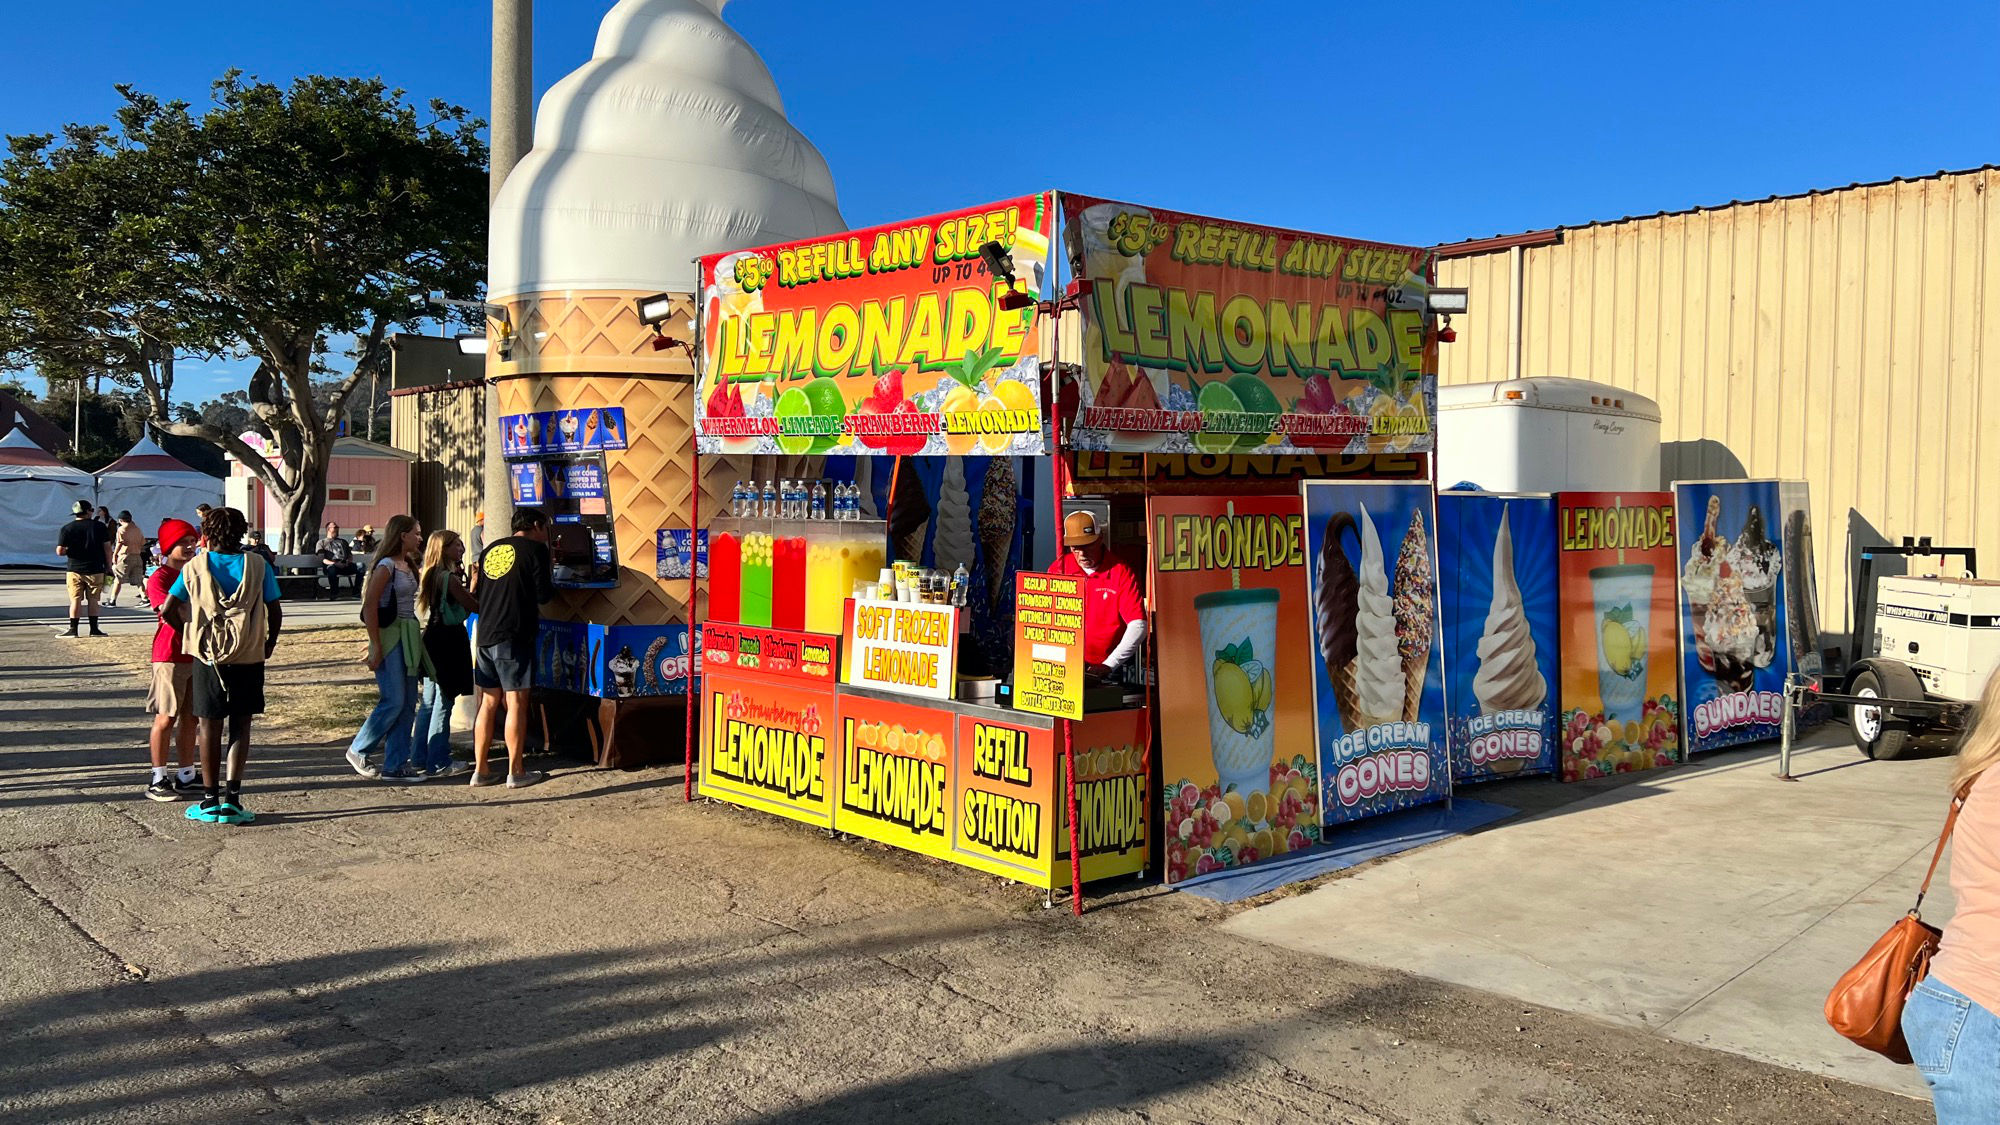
[
  {"x": 395, "y": 654},
  {"x": 443, "y": 604},
  {"x": 1952, "y": 1020}
]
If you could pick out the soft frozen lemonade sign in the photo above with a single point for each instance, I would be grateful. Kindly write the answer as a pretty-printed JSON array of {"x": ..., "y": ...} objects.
[
  {"x": 908, "y": 649},
  {"x": 1048, "y": 644}
]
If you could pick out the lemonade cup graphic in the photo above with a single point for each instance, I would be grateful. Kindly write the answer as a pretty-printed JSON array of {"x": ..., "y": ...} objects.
[
  {"x": 1623, "y": 598},
  {"x": 1239, "y": 644}
]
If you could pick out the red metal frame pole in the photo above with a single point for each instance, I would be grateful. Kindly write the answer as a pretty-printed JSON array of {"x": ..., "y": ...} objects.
[
  {"x": 693, "y": 623},
  {"x": 1059, "y": 484}
]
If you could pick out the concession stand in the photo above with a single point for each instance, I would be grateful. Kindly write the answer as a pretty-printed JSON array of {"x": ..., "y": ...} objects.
[{"x": 885, "y": 647}]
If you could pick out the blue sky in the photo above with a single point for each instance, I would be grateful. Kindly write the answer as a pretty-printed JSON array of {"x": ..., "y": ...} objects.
[{"x": 1403, "y": 123}]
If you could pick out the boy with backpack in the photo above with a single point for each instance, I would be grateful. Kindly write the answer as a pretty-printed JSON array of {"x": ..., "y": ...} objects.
[{"x": 225, "y": 604}]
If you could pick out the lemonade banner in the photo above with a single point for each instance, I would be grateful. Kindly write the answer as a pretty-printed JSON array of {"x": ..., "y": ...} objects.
[
  {"x": 1378, "y": 669},
  {"x": 1748, "y": 612},
  {"x": 1500, "y": 630},
  {"x": 888, "y": 341},
  {"x": 1113, "y": 815},
  {"x": 1208, "y": 336},
  {"x": 1048, "y": 644},
  {"x": 780, "y": 653},
  {"x": 765, "y": 744},
  {"x": 1615, "y": 562},
  {"x": 1228, "y": 578},
  {"x": 1101, "y": 472},
  {"x": 896, "y": 774}
]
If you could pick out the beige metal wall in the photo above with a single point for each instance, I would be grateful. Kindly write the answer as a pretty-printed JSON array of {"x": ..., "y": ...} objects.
[
  {"x": 1849, "y": 338},
  {"x": 445, "y": 428}
]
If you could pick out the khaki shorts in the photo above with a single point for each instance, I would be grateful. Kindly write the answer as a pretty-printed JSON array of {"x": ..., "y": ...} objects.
[
  {"x": 83, "y": 587},
  {"x": 172, "y": 692}
]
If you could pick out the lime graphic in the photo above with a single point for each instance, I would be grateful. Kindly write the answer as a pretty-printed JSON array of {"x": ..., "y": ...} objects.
[
  {"x": 1217, "y": 398},
  {"x": 1256, "y": 399},
  {"x": 499, "y": 559},
  {"x": 793, "y": 404}
]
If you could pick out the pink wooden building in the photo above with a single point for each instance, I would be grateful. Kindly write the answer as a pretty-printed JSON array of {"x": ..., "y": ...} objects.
[{"x": 366, "y": 483}]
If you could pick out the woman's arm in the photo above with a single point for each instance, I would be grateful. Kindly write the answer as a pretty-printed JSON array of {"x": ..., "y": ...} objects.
[
  {"x": 461, "y": 593},
  {"x": 371, "y": 596}
]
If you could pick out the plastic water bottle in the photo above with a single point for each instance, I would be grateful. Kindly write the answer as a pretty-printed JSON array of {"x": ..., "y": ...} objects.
[
  {"x": 840, "y": 501},
  {"x": 961, "y": 586},
  {"x": 770, "y": 505},
  {"x": 818, "y": 500},
  {"x": 739, "y": 499}
]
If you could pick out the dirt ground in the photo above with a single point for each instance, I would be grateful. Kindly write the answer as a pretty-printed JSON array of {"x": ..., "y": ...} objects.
[{"x": 597, "y": 949}]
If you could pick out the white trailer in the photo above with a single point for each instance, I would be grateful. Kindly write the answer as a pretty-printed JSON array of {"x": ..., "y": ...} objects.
[{"x": 1548, "y": 434}]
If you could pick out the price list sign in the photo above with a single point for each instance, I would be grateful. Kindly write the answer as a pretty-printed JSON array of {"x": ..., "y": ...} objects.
[{"x": 1048, "y": 644}]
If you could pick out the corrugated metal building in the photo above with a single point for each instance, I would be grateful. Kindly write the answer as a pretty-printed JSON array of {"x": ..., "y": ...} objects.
[
  {"x": 437, "y": 411},
  {"x": 1848, "y": 337}
]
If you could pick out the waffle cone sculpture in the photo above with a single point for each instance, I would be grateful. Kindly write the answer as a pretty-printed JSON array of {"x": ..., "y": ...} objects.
[
  {"x": 1416, "y": 592},
  {"x": 1334, "y": 607}
]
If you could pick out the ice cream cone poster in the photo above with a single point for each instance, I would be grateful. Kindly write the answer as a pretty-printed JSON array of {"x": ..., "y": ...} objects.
[
  {"x": 1206, "y": 336},
  {"x": 1228, "y": 579},
  {"x": 1378, "y": 682},
  {"x": 895, "y": 340},
  {"x": 1500, "y": 628},
  {"x": 1621, "y": 639},
  {"x": 1737, "y": 585}
]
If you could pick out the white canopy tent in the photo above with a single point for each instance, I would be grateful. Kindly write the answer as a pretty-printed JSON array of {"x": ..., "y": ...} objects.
[
  {"x": 36, "y": 494},
  {"x": 153, "y": 485}
]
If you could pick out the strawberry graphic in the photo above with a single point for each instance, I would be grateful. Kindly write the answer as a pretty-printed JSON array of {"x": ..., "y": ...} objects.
[{"x": 887, "y": 398}]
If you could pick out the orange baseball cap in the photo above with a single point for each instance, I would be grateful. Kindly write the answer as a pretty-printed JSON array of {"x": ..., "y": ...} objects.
[{"x": 1080, "y": 529}]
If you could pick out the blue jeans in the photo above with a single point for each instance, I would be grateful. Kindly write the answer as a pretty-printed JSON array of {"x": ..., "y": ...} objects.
[
  {"x": 1956, "y": 1044},
  {"x": 389, "y": 725},
  {"x": 433, "y": 728}
]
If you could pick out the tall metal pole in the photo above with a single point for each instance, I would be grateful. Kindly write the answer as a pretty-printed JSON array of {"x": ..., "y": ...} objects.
[{"x": 511, "y": 133}]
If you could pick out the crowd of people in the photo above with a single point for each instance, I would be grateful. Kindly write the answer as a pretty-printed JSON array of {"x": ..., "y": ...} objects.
[{"x": 216, "y": 597}]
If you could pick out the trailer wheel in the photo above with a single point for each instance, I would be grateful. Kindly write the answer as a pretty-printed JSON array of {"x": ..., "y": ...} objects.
[{"x": 1879, "y": 732}]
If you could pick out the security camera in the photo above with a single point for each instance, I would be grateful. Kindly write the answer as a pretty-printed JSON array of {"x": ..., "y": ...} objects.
[{"x": 999, "y": 262}]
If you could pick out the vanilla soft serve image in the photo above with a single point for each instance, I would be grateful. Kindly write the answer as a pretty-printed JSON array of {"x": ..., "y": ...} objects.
[{"x": 1500, "y": 625}]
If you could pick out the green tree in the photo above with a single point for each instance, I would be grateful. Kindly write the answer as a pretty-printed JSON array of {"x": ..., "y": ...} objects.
[{"x": 280, "y": 219}]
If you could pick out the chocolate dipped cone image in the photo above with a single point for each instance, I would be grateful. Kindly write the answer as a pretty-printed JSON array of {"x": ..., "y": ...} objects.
[
  {"x": 1416, "y": 591},
  {"x": 1338, "y": 593}
]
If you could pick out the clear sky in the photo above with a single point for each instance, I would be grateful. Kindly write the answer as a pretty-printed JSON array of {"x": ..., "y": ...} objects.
[{"x": 1403, "y": 123}]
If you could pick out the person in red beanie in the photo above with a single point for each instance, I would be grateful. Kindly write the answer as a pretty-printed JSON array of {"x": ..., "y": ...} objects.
[{"x": 171, "y": 697}]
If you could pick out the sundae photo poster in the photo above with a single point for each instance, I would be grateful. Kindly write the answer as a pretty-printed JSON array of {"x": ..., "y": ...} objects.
[
  {"x": 1378, "y": 673},
  {"x": 1745, "y": 560},
  {"x": 1621, "y": 636},
  {"x": 1500, "y": 629},
  {"x": 1228, "y": 577}
]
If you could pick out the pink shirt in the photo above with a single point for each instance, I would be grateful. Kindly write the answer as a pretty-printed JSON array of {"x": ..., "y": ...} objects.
[{"x": 1969, "y": 957}]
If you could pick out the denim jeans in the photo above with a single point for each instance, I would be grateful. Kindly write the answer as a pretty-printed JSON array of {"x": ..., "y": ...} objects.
[
  {"x": 1956, "y": 1044},
  {"x": 433, "y": 728},
  {"x": 389, "y": 725}
]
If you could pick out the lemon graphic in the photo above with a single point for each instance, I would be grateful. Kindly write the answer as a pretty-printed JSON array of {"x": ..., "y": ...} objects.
[
  {"x": 1235, "y": 696},
  {"x": 1260, "y": 685},
  {"x": 498, "y": 561},
  {"x": 1618, "y": 647}
]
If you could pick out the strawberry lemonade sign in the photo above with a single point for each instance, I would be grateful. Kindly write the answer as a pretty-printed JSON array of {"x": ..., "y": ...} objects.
[
  {"x": 1204, "y": 336},
  {"x": 895, "y": 340}
]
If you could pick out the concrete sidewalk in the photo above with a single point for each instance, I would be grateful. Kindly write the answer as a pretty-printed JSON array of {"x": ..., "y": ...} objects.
[{"x": 1713, "y": 904}]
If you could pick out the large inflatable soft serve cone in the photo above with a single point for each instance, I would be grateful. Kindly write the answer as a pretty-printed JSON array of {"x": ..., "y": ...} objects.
[{"x": 670, "y": 143}]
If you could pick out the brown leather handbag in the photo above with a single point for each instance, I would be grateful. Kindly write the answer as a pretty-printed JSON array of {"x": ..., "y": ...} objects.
[{"x": 1866, "y": 1004}]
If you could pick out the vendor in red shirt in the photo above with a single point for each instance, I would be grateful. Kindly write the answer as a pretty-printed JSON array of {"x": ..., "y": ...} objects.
[{"x": 1114, "y": 618}]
